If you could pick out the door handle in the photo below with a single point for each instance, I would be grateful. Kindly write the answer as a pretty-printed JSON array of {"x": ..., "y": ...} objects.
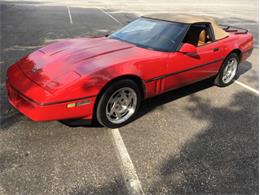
[{"x": 215, "y": 49}]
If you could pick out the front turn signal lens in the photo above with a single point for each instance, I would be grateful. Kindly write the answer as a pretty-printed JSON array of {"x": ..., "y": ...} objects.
[
  {"x": 71, "y": 105},
  {"x": 75, "y": 104}
]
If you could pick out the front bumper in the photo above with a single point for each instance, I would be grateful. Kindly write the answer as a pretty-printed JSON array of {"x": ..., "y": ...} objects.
[{"x": 54, "y": 111}]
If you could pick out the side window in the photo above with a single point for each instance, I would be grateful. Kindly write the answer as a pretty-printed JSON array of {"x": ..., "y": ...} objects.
[{"x": 198, "y": 35}]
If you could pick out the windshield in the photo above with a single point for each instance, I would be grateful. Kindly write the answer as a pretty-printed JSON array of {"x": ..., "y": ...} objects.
[{"x": 152, "y": 34}]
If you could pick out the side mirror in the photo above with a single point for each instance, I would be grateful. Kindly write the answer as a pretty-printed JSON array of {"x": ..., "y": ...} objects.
[{"x": 188, "y": 49}]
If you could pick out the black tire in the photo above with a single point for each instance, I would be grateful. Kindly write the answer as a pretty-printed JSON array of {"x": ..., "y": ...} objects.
[
  {"x": 219, "y": 78},
  {"x": 102, "y": 102}
]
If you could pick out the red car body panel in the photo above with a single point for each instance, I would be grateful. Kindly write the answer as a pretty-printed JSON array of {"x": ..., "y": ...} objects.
[{"x": 42, "y": 84}]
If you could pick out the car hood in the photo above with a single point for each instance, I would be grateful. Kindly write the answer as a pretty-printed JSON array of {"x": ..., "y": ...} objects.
[{"x": 60, "y": 63}]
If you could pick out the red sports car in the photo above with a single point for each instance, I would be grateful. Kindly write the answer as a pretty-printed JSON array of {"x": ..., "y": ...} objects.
[{"x": 108, "y": 77}]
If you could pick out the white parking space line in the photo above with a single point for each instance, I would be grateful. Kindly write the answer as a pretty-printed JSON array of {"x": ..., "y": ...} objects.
[
  {"x": 247, "y": 87},
  {"x": 71, "y": 21},
  {"x": 108, "y": 14},
  {"x": 126, "y": 165}
]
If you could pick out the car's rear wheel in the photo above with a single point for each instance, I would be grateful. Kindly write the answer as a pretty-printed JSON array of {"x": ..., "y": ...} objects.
[
  {"x": 118, "y": 104},
  {"x": 228, "y": 71}
]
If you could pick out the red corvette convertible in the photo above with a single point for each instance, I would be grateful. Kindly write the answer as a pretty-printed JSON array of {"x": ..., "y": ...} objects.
[{"x": 108, "y": 77}]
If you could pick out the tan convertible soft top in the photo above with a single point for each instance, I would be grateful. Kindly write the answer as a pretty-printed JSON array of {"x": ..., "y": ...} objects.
[{"x": 191, "y": 19}]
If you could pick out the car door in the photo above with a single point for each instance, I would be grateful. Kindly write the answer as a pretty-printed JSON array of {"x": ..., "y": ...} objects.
[{"x": 184, "y": 69}]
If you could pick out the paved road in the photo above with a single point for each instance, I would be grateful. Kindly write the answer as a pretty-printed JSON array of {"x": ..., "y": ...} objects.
[{"x": 199, "y": 139}]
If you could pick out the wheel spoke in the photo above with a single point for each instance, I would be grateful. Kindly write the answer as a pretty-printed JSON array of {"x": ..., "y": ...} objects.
[
  {"x": 224, "y": 78},
  {"x": 118, "y": 114},
  {"x": 111, "y": 112},
  {"x": 123, "y": 94},
  {"x": 231, "y": 63},
  {"x": 129, "y": 99},
  {"x": 114, "y": 98}
]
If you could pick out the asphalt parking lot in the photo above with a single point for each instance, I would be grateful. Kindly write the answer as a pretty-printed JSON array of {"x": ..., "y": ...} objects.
[{"x": 198, "y": 139}]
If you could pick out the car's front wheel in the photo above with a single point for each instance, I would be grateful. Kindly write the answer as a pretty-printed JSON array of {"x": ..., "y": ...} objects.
[
  {"x": 228, "y": 70},
  {"x": 118, "y": 104}
]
